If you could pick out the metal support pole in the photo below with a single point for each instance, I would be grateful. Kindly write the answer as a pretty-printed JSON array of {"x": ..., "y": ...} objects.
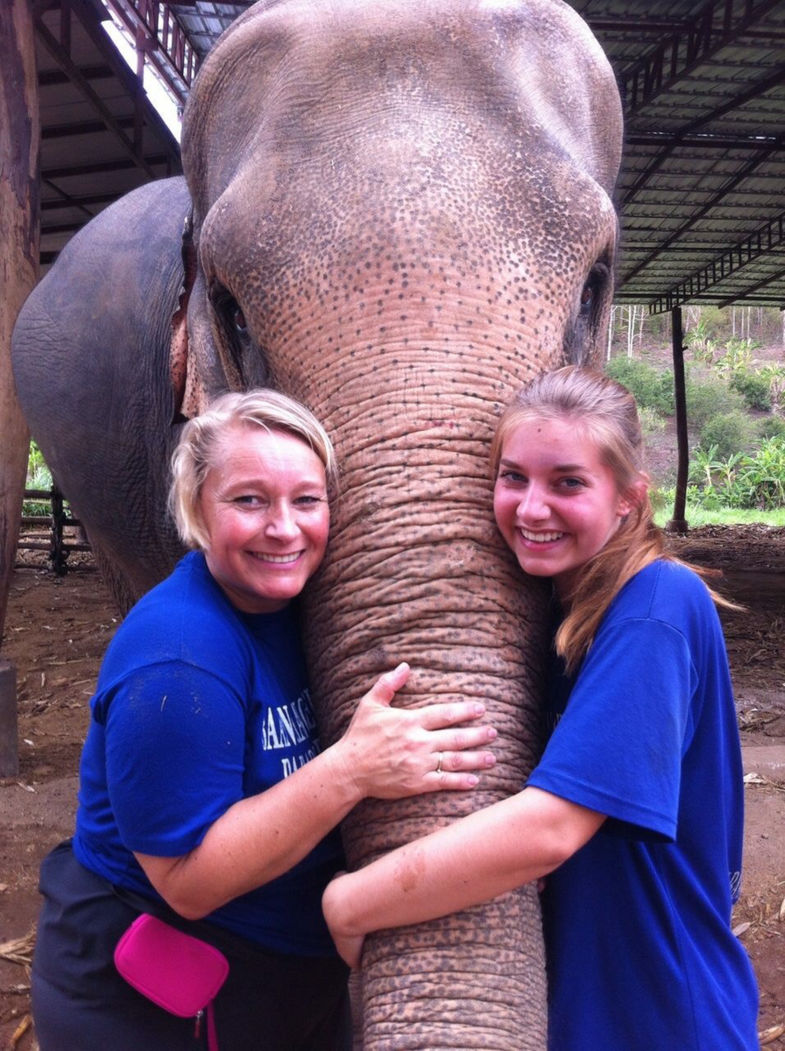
[{"x": 678, "y": 524}]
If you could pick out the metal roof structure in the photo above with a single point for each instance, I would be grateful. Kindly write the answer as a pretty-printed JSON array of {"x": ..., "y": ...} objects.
[
  {"x": 701, "y": 193},
  {"x": 100, "y": 136},
  {"x": 701, "y": 189}
]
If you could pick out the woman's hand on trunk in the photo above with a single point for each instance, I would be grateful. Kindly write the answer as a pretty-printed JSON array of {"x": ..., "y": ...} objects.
[{"x": 391, "y": 752}]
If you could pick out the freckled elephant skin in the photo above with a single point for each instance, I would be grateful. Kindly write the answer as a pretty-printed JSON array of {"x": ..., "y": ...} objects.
[{"x": 400, "y": 211}]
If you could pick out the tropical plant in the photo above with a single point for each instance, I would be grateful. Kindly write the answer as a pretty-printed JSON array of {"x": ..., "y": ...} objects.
[
  {"x": 737, "y": 356},
  {"x": 38, "y": 474},
  {"x": 761, "y": 478},
  {"x": 775, "y": 374},
  {"x": 38, "y": 477},
  {"x": 700, "y": 342},
  {"x": 754, "y": 481},
  {"x": 704, "y": 465}
]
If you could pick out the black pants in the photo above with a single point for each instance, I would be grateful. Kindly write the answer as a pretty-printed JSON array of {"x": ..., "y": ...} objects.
[{"x": 270, "y": 1001}]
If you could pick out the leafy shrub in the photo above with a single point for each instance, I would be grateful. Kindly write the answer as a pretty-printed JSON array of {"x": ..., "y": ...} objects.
[
  {"x": 754, "y": 481},
  {"x": 652, "y": 423},
  {"x": 38, "y": 474},
  {"x": 754, "y": 388},
  {"x": 651, "y": 388},
  {"x": 661, "y": 497},
  {"x": 772, "y": 426},
  {"x": 727, "y": 433},
  {"x": 700, "y": 341},
  {"x": 38, "y": 477},
  {"x": 707, "y": 397}
]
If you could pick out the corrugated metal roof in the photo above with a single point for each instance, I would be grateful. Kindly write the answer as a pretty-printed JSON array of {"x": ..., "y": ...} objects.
[
  {"x": 100, "y": 137},
  {"x": 205, "y": 20},
  {"x": 701, "y": 189}
]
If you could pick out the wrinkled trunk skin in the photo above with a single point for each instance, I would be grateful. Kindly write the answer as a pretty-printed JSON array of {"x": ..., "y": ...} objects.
[
  {"x": 417, "y": 223},
  {"x": 418, "y": 572}
]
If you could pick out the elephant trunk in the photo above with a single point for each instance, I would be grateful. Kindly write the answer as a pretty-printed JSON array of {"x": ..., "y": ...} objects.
[{"x": 417, "y": 572}]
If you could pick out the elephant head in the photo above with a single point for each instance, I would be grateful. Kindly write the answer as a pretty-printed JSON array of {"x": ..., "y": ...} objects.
[{"x": 402, "y": 211}]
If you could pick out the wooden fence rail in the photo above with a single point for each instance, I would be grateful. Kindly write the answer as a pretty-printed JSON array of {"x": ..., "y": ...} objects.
[{"x": 64, "y": 531}]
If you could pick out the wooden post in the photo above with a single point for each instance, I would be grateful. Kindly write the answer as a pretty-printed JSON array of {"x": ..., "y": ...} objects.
[
  {"x": 678, "y": 524},
  {"x": 9, "y": 747},
  {"x": 19, "y": 245}
]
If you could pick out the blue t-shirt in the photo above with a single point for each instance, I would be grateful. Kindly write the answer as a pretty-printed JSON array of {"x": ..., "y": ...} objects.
[
  {"x": 641, "y": 956},
  {"x": 198, "y": 706}
]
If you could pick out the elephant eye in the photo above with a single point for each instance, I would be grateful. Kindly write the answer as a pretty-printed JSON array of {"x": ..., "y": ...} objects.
[
  {"x": 231, "y": 321},
  {"x": 591, "y": 293},
  {"x": 228, "y": 309},
  {"x": 581, "y": 332}
]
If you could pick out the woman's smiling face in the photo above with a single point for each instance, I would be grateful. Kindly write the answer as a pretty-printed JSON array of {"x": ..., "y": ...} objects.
[
  {"x": 556, "y": 503},
  {"x": 264, "y": 507}
]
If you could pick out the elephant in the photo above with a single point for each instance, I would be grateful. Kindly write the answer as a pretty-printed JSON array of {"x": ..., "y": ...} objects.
[{"x": 396, "y": 212}]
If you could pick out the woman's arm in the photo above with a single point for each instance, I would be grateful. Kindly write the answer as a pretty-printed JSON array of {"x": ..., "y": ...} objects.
[
  {"x": 473, "y": 860},
  {"x": 386, "y": 752}
]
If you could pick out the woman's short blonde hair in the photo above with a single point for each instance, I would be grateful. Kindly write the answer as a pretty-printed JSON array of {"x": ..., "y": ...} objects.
[{"x": 199, "y": 448}]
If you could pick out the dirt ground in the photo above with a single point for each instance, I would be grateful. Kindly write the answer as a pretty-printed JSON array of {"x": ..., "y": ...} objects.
[{"x": 58, "y": 628}]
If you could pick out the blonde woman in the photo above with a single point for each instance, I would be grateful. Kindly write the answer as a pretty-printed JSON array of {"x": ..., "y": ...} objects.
[{"x": 204, "y": 794}]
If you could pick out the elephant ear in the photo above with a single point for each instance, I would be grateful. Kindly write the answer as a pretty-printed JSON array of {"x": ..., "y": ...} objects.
[
  {"x": 197, "y": 372},
  {"x": 189, "y": 398},
  {"x": 199, "y": 368}
]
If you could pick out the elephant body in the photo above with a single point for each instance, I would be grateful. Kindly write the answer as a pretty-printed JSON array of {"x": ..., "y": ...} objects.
[{"x": 396, "y": 212}]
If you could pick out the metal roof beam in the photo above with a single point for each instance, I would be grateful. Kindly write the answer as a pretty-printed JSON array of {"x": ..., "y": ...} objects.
[
  {"x": 85, "y": 127},
  {"x": 156, "y": 31},
  {"x": 639, "y": 26},
  {"x": 752, "y": 290},
  {"x": 63, "y": 228},
  {"x": 65, "y": 200},
  {"x": 761, "y": 87},
  {"x": 82, "y": 201},
  {"x": 121, "y": 164},
  {"x": 685, "y": 49},
  {"x": 743, "y": 173},
  {"x": 762, "y": 242},
  {"x": 59, "y": 52},
  {"x": 55, "y": 77},
  {"x": 697, "y": 141}
]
